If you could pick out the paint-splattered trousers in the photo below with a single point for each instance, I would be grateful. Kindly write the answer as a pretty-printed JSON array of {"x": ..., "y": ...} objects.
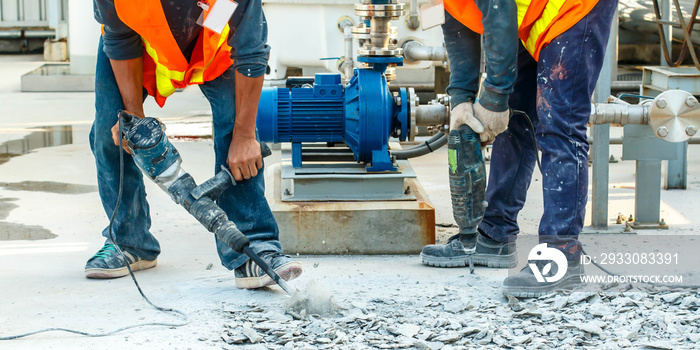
[
  {"x": 244, "y": 203},
  {"x": 556, "y": 93}
]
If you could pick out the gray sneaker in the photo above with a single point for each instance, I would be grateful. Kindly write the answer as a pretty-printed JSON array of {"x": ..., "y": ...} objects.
[
  {"x": 252, "y": 276},
  {"x": 108, "y": 263}
]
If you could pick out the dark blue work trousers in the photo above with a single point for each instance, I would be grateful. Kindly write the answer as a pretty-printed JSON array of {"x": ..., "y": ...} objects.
[{"x": 556, "y": 93}]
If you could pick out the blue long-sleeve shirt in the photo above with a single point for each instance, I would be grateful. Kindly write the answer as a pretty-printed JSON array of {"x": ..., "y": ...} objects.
[
  {"x": 499, "y": 18},
  {"x": 248, "y": 38}
]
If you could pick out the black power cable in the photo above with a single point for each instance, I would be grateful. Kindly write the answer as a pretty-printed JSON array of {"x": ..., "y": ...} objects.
[
  {"x": 438, "y": 140},
  {"x": 131, "y": 273}
]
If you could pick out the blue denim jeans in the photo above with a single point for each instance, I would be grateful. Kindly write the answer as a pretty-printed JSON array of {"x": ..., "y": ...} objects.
[
  {"x": 556, "y": 93},
  {"x": 244, "y": 203}
]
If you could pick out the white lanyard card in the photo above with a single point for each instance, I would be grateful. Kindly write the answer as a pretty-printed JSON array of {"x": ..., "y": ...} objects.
[
  {"x": 432, "y": 14},
  {"x": 218, "y": 15}
]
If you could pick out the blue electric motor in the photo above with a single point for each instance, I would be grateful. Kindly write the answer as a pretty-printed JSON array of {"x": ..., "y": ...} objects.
[{"x": 363, "y": 114}]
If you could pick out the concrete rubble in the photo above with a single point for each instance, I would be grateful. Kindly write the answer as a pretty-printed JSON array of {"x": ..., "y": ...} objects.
[{"x": 588, "y": 320}]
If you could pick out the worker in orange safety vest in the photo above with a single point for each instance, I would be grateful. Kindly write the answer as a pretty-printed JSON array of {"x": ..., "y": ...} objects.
[
  {"x": 155, "y": 47},
  {"x": 559, "y": 57}
]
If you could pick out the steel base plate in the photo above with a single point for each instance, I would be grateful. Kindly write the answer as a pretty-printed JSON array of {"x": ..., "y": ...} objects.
[{"x": 343, "y": 181}]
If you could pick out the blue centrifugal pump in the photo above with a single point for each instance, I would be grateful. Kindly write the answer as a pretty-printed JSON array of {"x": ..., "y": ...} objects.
[{"x": 363, "y": 114}]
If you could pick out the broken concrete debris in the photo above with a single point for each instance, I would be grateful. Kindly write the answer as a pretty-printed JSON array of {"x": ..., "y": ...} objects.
[{"x": 630, "y": 319}]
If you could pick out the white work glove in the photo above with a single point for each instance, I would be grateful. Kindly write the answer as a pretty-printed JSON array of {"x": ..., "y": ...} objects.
[
  {"x": 484, "y": 122},
  {"x": 493, "y": 123},
  {"x": 463, "y": 114}
]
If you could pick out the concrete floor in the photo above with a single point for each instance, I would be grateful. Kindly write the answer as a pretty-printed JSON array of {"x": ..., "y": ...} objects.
[{"x": 52, "y": 191}]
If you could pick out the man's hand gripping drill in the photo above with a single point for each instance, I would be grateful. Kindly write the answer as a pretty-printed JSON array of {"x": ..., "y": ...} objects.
[{"x": 160, "y": 161}]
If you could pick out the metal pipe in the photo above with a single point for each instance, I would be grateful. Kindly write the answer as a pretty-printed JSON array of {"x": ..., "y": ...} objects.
[
  {"x": 435, "y": 114},
  {"x": 618, "y": 141},
  {"x": 349, "y": 63},
  {"x": 413, "y": 21},
  {"x": 620, "y": 85},
  {"x": 618, "y": 114},
  {"x": 16, "y": 34},
  {"x": 380, "y": 32},
  {"x": 415, "y": 51}
]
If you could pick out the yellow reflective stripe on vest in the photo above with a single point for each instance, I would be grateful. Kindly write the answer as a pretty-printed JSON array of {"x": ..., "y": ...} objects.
[
  {"x": 548, "y": 15},
  {"x": 198, "y": 74},
  {"x": 165, "y": 76},
  {"x": 522, "y": 9}
]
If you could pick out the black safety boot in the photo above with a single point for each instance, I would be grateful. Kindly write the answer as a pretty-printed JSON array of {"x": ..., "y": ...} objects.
[
  {"x": 525, "y": 284},
  {"x": 492, "y": 253},
  {"x": 453, "y": 254}
]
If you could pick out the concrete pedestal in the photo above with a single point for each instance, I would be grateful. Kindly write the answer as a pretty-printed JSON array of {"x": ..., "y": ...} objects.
[{"x": 373, "y": 227}]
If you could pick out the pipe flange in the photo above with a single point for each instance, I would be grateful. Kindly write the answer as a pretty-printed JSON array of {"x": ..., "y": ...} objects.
[
  {"x": 380, "y": 52},
  {"x": 369, "y": 15},
  {"x": 413, "y": 103},
  {"x": 368, "y": 38},
  {"x": 389, "y": 10},
  {"x": 672, "y": 114},
  {"x": 361, "y": 31},
  {"x": 391, "y": 34}
]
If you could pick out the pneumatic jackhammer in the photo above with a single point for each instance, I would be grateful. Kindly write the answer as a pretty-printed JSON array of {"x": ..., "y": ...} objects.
[{"x": 161, "y": 162}]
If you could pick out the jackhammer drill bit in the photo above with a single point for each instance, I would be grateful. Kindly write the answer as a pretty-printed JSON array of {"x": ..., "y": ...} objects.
[
  {"x": 467, "y": 173},
  {"x": 161, "y": 162}
]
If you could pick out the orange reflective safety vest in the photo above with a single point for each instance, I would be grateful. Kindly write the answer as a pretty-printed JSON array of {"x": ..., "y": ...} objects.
[
  {"x": 165, "y": 68},
  {"x": 539, "y": 21}
]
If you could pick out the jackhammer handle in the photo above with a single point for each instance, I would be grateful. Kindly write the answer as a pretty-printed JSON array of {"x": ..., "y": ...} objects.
[{"x": 265, "y": 150}]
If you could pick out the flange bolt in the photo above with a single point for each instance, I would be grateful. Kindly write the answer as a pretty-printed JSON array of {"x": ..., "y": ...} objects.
[
  {"x": 662, "y": 131},
  {"x": 691, "y": 101},
  {"x": 661, "y": 103},
  {"x": 691, "y": 130}
]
